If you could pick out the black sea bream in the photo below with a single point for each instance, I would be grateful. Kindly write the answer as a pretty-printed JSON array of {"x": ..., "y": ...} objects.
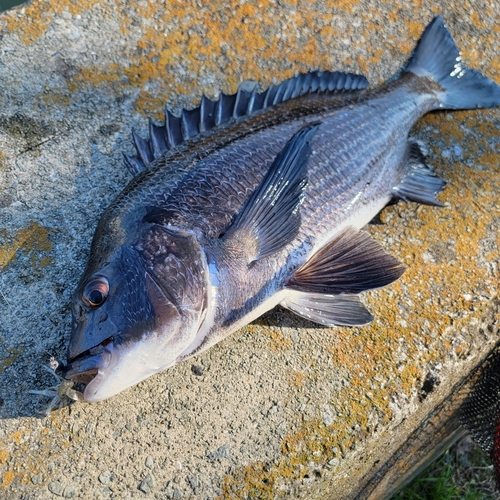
[{"x": 257, "y": 200}]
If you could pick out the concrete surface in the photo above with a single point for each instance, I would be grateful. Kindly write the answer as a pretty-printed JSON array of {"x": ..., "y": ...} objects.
[{"x": 283, "y": 408}]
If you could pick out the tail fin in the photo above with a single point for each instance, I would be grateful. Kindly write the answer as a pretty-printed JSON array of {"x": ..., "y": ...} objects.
[{"x": 436, "y": 56}]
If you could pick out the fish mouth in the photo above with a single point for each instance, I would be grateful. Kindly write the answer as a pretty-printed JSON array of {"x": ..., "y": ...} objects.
[{"x": 84, "y": 367}]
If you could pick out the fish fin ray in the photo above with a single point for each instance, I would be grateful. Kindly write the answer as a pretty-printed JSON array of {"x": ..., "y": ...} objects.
[
  {"x": 351, "y": 263},
  {"x": 244, "y": 96},
  {"x": 143, "y": 147},
  {"x": 270, "y": 217},
  {"x": 224, "y": 108},
  {"x": 420, "y": 184},
  {"x": 207, "y": 114},
  {"x": 134, "y": 164},
  {"x": 328, "y": 310},
  {"x": 157, "y": 139},
  {"x": 190, "y": 122},
  {"x": 173, "y": 129},
  {"x": 247, "y": 101},
  {"x": 436, "y": 56}
]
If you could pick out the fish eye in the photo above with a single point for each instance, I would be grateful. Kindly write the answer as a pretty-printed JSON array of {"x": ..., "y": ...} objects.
[{"x": 96, "y": 292}]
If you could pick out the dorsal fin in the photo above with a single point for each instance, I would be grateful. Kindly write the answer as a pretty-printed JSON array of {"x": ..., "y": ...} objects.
[{"x": 209, "y": 114}]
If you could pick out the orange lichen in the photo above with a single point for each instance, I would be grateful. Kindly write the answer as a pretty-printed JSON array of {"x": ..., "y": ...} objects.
[
  {"x": 23, "y": 463},
  {"x": 344, "y": 5},
  {"x": 13, "y": 355},
  {"x": 39, "y": 14},
  {"x": 296, "y": 379},
  {"x": 33, "y": 240},
  {"x": 7, "y": 479},
  {"x": 16, "y": 437},
  {"x": 205, "y": 40},
  {"x": 415, "y": 29},
  {"x": 278, "y": 341},
  {"x": 56, "y": 99},
  {"x": 209, "y": 40},
  {"x": 476, "y": 19},
  {"x": 366, "y": 63},
  {"x": 391, "y": 353}
]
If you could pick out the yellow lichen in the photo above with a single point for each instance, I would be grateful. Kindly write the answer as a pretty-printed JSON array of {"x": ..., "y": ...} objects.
[
  {"x": 209, "y": 40},
  {"x": 7, "y": 479},
  {"x": 13, "y": 355},
  {"x": 278, "y": 341},
  {"x": 33, "y": 240},
  {"x": 233, "y": 45},
  {"x": 296, "y": 379},
  {"x": 16, "y": 437},
  {"x": 3, "y": 163},
  {"x": 476, "y": 19},
  {"x": 38, "y": 15}
]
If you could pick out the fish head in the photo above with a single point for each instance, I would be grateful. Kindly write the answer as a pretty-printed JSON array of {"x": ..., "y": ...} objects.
[{"x": 137, "y": 312}]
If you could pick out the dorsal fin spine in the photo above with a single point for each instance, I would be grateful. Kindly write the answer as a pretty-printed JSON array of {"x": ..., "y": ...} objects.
[
  {"x": 172, "y": 124},
  {"x": 250, "y": 104},
  {"x": 143, "y": 148},
  {"x": 158, "y": 139},
  {"x": 184, "y": 125},
  {"x": 210, "y": 114}
]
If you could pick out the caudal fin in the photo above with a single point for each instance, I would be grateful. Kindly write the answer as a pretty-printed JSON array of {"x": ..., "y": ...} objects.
[{"x": 436, "y": 56}]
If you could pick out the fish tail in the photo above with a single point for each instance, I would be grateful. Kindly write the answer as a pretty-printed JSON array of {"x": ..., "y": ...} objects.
[{"x": 436, "y": 56}]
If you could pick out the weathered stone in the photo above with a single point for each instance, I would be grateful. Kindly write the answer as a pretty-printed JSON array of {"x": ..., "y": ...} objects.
[
  {"x": 147, "y": 484},
  {"x": 282, "y": 408}
]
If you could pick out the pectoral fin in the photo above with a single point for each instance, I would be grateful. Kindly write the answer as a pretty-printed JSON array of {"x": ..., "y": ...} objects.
[
  {"x": 351, "y": 263},
  {"x": 270, "y": 219}
]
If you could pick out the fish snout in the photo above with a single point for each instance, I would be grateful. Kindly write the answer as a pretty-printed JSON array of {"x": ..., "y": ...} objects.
[{"x": 84, "y": 367}]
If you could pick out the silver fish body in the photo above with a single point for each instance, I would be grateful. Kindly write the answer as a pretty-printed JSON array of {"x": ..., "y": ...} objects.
[{"x": 235, "y": 211}]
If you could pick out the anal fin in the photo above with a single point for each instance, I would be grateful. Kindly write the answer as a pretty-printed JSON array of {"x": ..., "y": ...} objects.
[
  {"x": 351, "y": 263},
  {"x": 329, "y": 310},
  {"x": 420, "y": 183}
]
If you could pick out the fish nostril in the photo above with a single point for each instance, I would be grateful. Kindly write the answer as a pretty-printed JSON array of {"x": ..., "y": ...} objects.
[{"x": 103, "y": 318}]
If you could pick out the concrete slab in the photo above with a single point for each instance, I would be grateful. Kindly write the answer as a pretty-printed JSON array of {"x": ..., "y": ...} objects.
[{"x": 282, "y": 408}]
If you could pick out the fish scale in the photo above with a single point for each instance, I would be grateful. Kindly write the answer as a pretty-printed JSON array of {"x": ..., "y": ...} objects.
[{"x": 257, "y": 200}]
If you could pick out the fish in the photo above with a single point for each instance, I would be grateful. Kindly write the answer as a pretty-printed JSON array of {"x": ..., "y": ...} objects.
[{"x": 255, "y": 200}]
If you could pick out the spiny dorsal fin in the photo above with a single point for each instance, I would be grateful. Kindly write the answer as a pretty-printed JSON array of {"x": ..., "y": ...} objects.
[
  {"x": 420, "y": 184},
  {"x": 270, "y": 218},
  {"x": 343, "y": 309},
  {"x": 245, "y": 102},
  {"x": 351, "y": 263}
]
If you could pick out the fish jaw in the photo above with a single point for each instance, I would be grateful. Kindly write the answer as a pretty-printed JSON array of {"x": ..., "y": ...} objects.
[
  {"x": 127, "y": 364},
  {"x": 112, "y": 367}
]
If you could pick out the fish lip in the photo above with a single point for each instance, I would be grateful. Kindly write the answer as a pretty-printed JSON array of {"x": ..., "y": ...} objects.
[{"x": 85, "y": 366}]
